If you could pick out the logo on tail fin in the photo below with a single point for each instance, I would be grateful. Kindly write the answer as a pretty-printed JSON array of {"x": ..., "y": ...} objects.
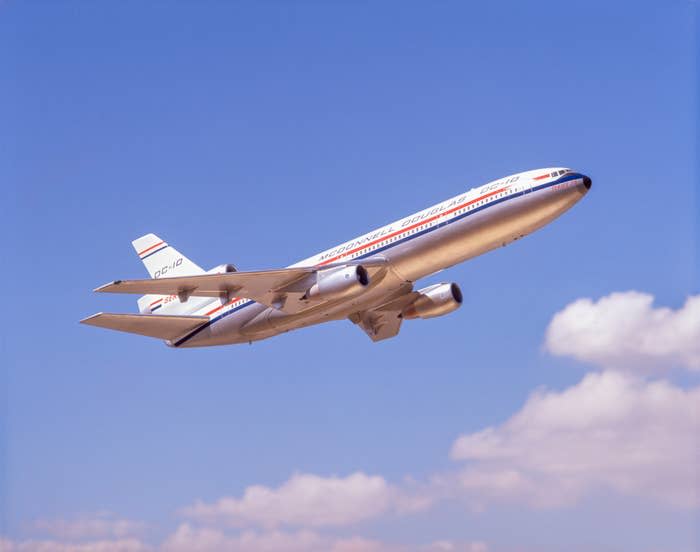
[{"x": 163, "y": 271}]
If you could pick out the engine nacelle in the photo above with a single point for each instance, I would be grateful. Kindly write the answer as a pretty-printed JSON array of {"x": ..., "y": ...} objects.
[
  {"x": 338, "y": 283},
  {"x": 222, "y": 269},
  {"x": 434, "y": 301}
]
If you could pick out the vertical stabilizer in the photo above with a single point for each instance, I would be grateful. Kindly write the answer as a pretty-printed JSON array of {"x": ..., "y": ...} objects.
[{"x": 162, "y": 261}]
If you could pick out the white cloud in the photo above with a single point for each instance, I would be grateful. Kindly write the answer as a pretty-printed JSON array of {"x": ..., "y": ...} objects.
[
  {"x": 625, "y": 330},
  {"x": 100, "y": 525},
  {"x": 308, "y": 500},
  {"x": 119, "y": 545},
  {"x": 188, "y": 538},
  {"x": 610, "y": 431},
  {"x": 449, "y": 546}
]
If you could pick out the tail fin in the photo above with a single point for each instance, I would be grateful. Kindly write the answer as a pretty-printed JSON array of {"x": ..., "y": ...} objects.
[{"x": 161, "y": 260}]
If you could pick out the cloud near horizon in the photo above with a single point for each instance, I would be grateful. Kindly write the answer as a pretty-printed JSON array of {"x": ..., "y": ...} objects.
[
  {"x": 106, "y": 545},
  {"x": 188, "y": 538},
  {"x": 308, "y": 500},
  {"x": 95, "y": 526}
]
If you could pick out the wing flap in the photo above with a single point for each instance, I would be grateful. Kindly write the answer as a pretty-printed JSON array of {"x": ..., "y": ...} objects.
[
  {"x": 379, "y": 325},
  {"x": 384, "y": 321},
  {"x": 151, "y": 325}
]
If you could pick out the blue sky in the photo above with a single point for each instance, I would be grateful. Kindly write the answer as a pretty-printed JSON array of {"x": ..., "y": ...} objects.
[{"x": 260, "y": 133}]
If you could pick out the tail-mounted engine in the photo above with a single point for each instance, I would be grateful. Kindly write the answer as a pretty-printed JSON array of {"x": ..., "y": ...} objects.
[
  {"x": 222, "y": 269},
  {"x": 434, "y": 301}
]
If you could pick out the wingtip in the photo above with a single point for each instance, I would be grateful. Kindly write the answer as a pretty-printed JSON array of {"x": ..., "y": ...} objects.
[
  {"x": 103, "y": 288},
  {"x": 91, "y": 317}
]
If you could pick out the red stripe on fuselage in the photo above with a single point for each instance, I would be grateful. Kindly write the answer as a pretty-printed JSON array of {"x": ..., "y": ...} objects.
[
  {"x": 408, "y": 228},
  {"x": 207, "y": 313},
  {"x": 221, "y": 306},
  {"x": 540, "y": 177}
]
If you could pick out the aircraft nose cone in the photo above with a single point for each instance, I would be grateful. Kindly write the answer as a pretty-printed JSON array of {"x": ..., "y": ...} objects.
[{"x": 587, "y": 182}]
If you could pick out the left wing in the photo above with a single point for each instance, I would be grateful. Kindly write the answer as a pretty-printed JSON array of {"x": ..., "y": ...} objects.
[
  {"x": 269, "y": 287},
  {"x": 260, "y": 286}
]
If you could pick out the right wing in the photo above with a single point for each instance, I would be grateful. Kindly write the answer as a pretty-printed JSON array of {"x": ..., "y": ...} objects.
[{"x": 152, "y": 325}]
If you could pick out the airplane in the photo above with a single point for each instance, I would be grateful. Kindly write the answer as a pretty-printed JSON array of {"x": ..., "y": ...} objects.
[{"x": 368, "y": 280}]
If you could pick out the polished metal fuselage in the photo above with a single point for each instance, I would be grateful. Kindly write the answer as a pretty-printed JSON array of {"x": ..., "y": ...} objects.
[{"x": 454, "y": 231}]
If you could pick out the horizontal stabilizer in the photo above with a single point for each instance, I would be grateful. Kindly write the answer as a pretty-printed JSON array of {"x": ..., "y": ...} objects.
[{"x": 152, "y": 325}]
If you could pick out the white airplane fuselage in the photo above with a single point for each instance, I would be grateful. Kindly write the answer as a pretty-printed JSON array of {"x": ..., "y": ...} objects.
[{"x": 411, "y": 248}]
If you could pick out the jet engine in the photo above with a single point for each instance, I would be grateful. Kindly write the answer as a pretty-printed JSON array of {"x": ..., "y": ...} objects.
[
  {"x": 222, "y": 268},
  {"x": 434, "y": 301},
  {"x": 338, "y": 283}
]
